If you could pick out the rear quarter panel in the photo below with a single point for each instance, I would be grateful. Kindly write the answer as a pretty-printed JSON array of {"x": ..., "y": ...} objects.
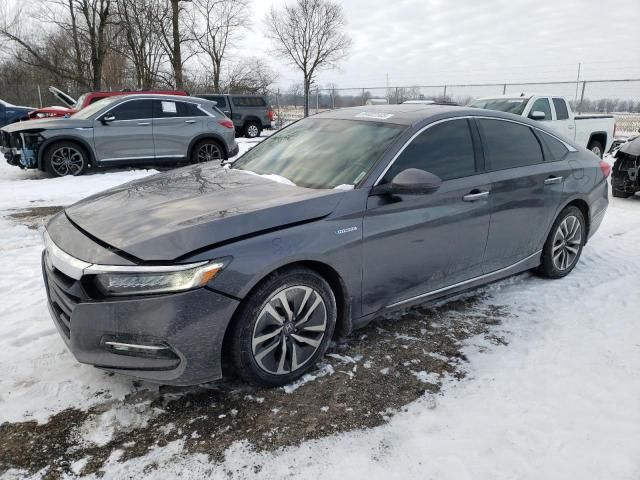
[{"x": 587, "y": 183}]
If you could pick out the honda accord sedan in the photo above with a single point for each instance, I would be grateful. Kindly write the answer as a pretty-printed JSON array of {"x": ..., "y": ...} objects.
[{"x": 328, "y": 223}]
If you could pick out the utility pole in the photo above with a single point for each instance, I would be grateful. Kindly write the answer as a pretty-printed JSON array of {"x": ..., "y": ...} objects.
[
  {"x": 575, "y": 101},
  {"x": 388, "y": 99}
]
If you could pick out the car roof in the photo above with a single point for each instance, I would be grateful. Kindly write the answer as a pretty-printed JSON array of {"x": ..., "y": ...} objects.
[
  {"x": 402, "y": 114},
  {"x": 160, "y": 96}
]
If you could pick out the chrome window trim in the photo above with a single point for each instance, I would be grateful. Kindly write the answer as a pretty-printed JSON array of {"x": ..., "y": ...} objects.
[
  {"x": 460, "y": 284},
  {"x": 198, "y": 104},
  {"x": 465, "y": 117}
]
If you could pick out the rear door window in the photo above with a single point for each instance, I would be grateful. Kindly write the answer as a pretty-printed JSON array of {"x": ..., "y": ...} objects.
[
  {"x": 562, "y": 112},
  {"x": 221, "y": 102},
  {"x": 509, "y": 144},
  {"x": 173, "y": 109},
  {"x": 556, "y": 150},
  {"x": 541, "y": 105},
  {"x": 445, "y": 149}
]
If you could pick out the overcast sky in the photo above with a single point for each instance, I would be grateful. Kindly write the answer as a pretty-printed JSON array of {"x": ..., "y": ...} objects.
[{"x": 423, "y": 42}]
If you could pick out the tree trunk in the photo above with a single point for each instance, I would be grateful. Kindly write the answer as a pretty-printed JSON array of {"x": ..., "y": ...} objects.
[
  {"x": 216, "y": 76},
  {"x": 307, "y": 87},
  {"x": 177, "y": 54}
]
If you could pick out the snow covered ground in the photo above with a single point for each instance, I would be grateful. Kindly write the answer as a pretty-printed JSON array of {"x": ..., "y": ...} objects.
[{"x": 558, "y": 399}]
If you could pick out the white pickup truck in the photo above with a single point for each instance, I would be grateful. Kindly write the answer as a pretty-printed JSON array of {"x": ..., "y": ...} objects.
[{"x": 595, "y": 132}]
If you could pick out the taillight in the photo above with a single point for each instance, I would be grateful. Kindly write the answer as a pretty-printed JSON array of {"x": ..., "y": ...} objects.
[
  {"x": 606, "y": 168},
  {"x": 226, "y": 123},
  {"x": 271, "y": 115}
]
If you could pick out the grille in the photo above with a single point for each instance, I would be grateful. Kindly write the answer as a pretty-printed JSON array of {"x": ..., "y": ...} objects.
[{"x": 64, "y": 293}]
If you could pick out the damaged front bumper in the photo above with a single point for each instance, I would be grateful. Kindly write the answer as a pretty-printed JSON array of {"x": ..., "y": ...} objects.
[
  {"x": 21, "y": 149},
  {"x": 625, "y": 176}
]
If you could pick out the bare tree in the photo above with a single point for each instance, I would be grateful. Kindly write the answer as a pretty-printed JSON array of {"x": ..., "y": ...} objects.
[
  {"x": 138, "y": 18},
  {"x": 214, "y": 27},
  {"x": 309, "y": 34},
  {"x": 294, "y": 91},
  {"x": 173, "y": 36},
  {"x": 87, "y": 27},
  {"x": 249, "y": 75}
]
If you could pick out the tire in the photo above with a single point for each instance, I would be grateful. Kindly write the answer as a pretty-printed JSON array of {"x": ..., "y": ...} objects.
[
  {"x": 564, "y": 244},
  {"x": 264, "y": 337},
  {"x": 207, "y": 151},
  {"x": 619, "y": 194},
  {"x": 252, "y": 129},
  {"x": 63, "y": 159},
  {"x": 596, "y": 147}
]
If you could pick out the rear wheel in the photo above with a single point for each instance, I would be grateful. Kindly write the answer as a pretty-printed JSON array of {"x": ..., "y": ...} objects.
[
  {"x": 564, "y": 244},
  {"x": 596, "y": 147},
  {"x": 252, "y": 129},
  {"x": 65, "y": 159},
  {"x": 283, "y": 327},
  {"x": 206, "y": 151}
]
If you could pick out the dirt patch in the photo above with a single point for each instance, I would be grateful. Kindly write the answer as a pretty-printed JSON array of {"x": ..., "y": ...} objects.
[
  {"x": 363, "y": 381},
  {"x": 34, "y": 217}
]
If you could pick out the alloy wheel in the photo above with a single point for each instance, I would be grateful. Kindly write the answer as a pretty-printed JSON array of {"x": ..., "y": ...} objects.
[
  {"x": 67, "y": 161},
  {"x": 596, "y": 150},
  {"x": 208, "y": 152},
  {"x": 567, "y": 242},
  {"x": 289, "y": 330},
  {"x": 253, "y": 131}
]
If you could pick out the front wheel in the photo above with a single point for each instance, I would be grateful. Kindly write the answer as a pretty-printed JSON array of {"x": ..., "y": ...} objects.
[
  {"x": 283, "y": 327},
  {"x": 564, "y": 244},
  {"x": 65, "y": 159}
]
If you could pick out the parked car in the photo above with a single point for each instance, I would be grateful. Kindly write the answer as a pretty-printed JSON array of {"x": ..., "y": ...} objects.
[
  {"x": 121, "y": 131},
  {"x": 72, "y": 105},
  {"x": 328, "y": 223},
  {"x": 596, "y": 132},
  {"x": 11, "y": 113},
  {"x": 250, "y": 113},
  {"x": 625, "y": 179}
]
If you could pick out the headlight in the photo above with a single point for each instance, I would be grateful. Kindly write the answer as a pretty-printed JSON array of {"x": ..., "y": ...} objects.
[{"x": 148, "y": 280}]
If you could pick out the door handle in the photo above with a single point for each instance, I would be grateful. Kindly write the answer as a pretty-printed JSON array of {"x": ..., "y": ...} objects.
[
  {"x": 571, "y": 127},
  {"x": 553, "y": 180},
  {"x": 144, "y": 123},
  {"x": 189, "y": 121},
  {"x": 473, "y": 197}
]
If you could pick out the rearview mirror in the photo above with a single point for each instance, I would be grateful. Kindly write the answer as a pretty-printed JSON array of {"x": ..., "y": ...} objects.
[
  {"x": 411, "y": 181},
  {"x": 108, "y": 118},
  {"x": 537, "y": 115}
]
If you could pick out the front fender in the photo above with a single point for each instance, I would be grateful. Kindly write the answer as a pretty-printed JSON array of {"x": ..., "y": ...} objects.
[{"x": 64, "y": 138}]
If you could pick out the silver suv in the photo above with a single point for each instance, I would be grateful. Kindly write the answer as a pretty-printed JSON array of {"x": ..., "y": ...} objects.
[{"x": 123, "y": 131}]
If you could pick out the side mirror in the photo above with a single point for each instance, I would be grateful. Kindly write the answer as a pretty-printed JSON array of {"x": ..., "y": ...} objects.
[
  {"x": 537, "y": 115},
  {"x": 411, "y": 181},
  {"x": 108, "y": 118}
]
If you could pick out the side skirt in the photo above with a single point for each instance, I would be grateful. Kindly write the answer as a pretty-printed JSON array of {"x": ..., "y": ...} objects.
[{"x": 523, "y": 265}]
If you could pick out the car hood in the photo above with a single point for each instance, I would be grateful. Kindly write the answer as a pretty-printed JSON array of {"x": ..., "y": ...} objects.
[
  {"x": 632, "y": 147},
  {"x": 48, "y": 124},
  {"x": 170, "y": 215}
]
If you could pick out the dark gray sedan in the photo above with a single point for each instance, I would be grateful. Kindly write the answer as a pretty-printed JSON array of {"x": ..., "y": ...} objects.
[{"x": 315, "y": 231}]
